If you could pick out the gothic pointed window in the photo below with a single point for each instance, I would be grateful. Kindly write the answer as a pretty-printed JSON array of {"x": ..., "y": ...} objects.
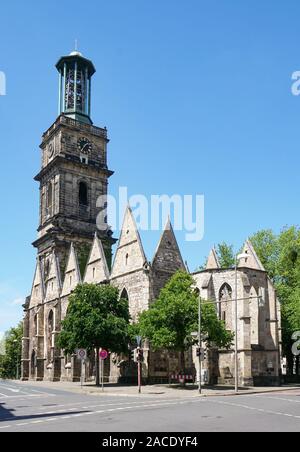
[
  {"x": 50, "y": 335},
  {"x": 225, "y": 307},
  {"x": 254, "y": 316},
  {"x": 35, "y": 322},
  {"x": 33, "y": 363},
  {"x": 83, "y": 194},
  {"x": 51, "y": 322},
  {"x": 124, "y": 295}
]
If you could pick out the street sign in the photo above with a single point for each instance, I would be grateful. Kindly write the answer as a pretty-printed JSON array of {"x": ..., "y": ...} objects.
[
  {"x": 81, "y": 353},
  {"x": 103, "y": 354}
]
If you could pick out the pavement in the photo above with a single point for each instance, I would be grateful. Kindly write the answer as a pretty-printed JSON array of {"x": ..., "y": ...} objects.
[{"x": 65, "y": 407}]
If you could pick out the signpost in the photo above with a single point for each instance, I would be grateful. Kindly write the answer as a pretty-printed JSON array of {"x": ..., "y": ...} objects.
[
  {"x": 81, "y": 354},
  {"x": 103, "y": 355}
]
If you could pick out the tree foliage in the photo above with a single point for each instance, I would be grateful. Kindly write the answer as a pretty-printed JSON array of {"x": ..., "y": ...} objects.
[
  {"x": 96, "y": 317},
  {"x": 10, "y": 359},
  {"x": 280, "y": 254},
  {"x": 172, "y": 318},
  {"x": 226, "y": 256},
  {"x": 266, "y": 245}
]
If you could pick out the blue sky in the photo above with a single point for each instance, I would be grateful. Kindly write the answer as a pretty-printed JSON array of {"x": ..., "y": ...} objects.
[{"x": 196, "y": 96}]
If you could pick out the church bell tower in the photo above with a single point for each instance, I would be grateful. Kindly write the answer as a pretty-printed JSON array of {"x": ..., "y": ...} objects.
[
  {"x": 74, "y": 171},
  {"x": 75, "y": 87}
]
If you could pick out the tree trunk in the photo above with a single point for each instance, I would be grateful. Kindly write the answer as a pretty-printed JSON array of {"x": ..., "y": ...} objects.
[
  {"x": 290, "y": 363},
  {"x": 182, "y": 360},
  {"x": 182, "y": 365},
  {"x": 97, "y": 367}
]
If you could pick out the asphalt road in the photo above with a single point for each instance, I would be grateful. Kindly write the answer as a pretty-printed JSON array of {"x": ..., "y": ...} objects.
[{"x": 25, "y": 408}]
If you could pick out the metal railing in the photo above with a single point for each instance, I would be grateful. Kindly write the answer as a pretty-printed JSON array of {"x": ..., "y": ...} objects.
[{"x": 72, "y": 122}]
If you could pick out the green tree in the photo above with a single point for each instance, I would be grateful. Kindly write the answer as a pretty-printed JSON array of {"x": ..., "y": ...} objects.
[
  {"x": 96, "y": 318},
  {"x": 226, "y": 256},
  {"x": 281, "y": 257},
  {"x": 10, "y": 362},
  {"x": 172, "y": 318},
  {"x": 2, "y": 346},
  {"x": 266, "y": 245}
]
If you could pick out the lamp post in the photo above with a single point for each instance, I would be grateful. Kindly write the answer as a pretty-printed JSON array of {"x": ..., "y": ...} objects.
[
  {"x": 236, "y": 360},
  {"x": 199, "y": 335}
]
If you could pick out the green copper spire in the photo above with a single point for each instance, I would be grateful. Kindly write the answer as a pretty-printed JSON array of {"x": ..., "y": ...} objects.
[{"x": 75, "y": 83}]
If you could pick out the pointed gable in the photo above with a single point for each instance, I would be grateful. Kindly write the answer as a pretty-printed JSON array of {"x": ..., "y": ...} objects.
[
  {"x": 253, "y": 260},
  {"x": 53, "y": 283},
  {"x": 213, "y": 261},
  {"x": 130, "y": 254},
  {"x": 72, "y": 273},
  {"x": 38, "y": 289},
  {"x": 168, "y": 257},
  {"x": 96, "y": 270}
]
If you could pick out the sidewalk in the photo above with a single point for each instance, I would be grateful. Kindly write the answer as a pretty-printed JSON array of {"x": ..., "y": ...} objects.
[{"x": 161, "y": 391}]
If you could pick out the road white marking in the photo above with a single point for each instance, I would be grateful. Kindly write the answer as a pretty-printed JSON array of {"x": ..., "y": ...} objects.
[
  {"x": 24, "y": 396},
  {"x": 260, "y": 410},
  {"x": 105, "y": 411},
  {"x": 277, "y": 398},
  {"x": 9, "y": 389},
  {"x": 87, "y": 407}
]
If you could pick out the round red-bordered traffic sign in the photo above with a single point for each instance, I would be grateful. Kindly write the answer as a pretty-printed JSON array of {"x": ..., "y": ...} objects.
[
  {"x": 103, "y": 354},
  {"x": 81, "y": 353}
]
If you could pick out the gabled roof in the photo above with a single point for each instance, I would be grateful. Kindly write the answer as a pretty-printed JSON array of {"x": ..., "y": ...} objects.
[
  {"x": 130, "y": 254},
  {"x": 213, "y": 261},
  {"x": 38, "y": 288},
  {"x": 97, "y": 269},
  {"x": 72, "y": 273},
  {"x": 53, "y": 283},
  {"x": 167, "y": 257},
  {"x": 253, "y": 260}
]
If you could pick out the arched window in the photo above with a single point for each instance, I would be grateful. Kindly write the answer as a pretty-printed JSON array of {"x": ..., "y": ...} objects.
[
  {"x": 126, "y": 259},
  {"x": 35, "y": 322},
  {"x": 225, "y": 296},
  {"x": 124, "y": 295},
  {"x": 50, "y": 335},
  {"x": 254, "y": 316},
  {"x": 83, "y": 194},
  {"x": 33, "y": 363},
  {"x": 51, "y": 322}
]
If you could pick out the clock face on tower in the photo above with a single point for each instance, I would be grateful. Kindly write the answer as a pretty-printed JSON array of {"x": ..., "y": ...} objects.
[
  {"x": 50, "y": 150},
  {"x": 84, "y": 145}
]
